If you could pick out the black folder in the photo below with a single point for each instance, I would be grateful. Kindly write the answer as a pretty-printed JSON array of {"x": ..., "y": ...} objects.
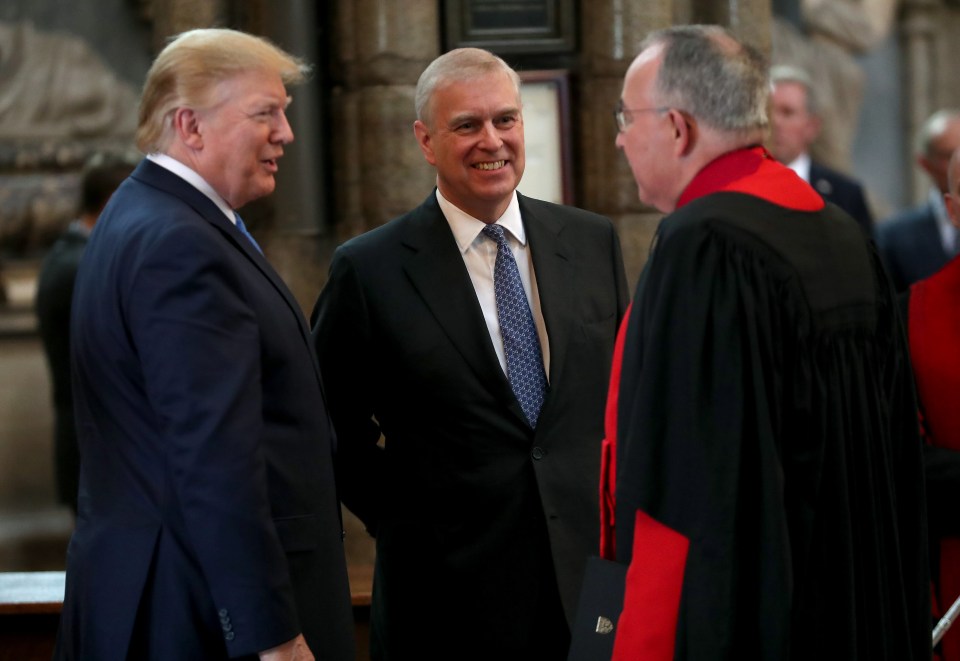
[{"x": 601, "y": 600}]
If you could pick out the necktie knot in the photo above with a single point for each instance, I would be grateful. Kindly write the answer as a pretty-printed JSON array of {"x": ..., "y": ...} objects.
[{"x": 496, "y": 233}]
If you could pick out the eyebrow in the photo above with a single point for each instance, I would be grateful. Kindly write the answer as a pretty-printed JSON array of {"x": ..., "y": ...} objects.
[{"x": 472, "y": 116}]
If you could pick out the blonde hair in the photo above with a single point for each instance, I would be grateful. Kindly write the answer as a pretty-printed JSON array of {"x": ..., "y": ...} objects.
[{"x": 188, "y": 68}]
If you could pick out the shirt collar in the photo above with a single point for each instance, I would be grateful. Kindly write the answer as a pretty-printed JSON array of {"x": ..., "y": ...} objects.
[
  {"x": 191, "y": 176},
  {"x": 466, "y": 228},
  {"x": 801, "y": 165}
]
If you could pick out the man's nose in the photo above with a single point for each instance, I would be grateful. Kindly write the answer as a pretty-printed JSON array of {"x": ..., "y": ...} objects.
[
  {"x": 490, "y": 137},
  {"x": 282, "y": 132}
]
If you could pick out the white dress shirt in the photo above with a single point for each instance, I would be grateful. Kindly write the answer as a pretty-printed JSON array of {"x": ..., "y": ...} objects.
[{"x": 480, "y": 255}]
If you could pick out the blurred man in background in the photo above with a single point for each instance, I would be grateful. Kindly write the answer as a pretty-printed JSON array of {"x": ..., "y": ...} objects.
[
  {"x": 54, "y": 292},
  {"x": 795, "y": 125},
  {"x": 916, "y": 243}
]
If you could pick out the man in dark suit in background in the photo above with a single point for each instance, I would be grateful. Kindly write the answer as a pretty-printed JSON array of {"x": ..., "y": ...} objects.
[
  {"x": 475, "y": 334},
  {"x": 54, "y": 292},
  {"x": 918, "y": 242},
  {"x": 795, "y": 125},
  {"x": 208, "y": 521}
]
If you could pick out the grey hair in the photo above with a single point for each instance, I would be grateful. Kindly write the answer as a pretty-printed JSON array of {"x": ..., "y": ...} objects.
[
  {"x": 935, "y": 126},
  {"x": 455, "y": 66},
  {"x": 709, "y": 73},
  {"x": 787, "y": 73}
]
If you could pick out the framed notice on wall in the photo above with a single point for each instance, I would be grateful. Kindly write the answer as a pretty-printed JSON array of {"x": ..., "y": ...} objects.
[
  {"x": 546, "y": 125},
  {"x": 511, "y": 26}
]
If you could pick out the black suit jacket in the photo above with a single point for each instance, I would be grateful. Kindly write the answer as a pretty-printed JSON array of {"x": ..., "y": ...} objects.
[
  {"x": 910, "y": 246},
  {"x": 54, "y": 293},
  {"x": 478, "y": 519},
  {"x": 843, "y": 191},
  {"x": 208, "y": 524}
]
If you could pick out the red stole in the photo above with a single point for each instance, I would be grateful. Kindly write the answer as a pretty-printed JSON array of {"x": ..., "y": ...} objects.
[{"x": 934, "y": 334}]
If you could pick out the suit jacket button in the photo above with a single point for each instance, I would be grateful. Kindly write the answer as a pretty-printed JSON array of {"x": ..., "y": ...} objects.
[
  {"x": 222, "y": 612},
  {"x": 227, "y": 626},
  {"x": 538, "y": 453},
  {"x": 229, "y": 635}
]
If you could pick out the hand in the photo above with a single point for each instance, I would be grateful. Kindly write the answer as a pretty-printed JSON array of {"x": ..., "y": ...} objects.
[{"x": 294, "y": 650}]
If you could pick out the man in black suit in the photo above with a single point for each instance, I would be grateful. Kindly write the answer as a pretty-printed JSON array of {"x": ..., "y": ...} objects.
[
  {"x": 482, "y": 496},
  {"x": 795, "y": 125},
  {"x": 54, "y": 293},
  {"x": 918, "y": 242},
  {"x": 208, "y": 523}
]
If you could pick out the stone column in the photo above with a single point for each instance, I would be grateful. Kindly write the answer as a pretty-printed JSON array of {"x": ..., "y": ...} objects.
[
  {"x": 918, "y": 33},
  {"x": 611, "y": 32},
  {"x": 748, "y": 19},
  {"x": 379, "y": 172}
]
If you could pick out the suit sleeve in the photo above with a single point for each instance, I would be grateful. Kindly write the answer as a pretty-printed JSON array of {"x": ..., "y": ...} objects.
[
  {"x": 199, "y": 349},
  {"x": 342, "y": 336},
  {"x": 700, "y": 514}
]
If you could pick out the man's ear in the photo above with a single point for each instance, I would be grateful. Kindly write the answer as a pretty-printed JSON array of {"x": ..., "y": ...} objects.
[
  {"x": 685, "y": 132},
  {"x": 186, "y": 124},
  {"x": 424, "y": 140}
]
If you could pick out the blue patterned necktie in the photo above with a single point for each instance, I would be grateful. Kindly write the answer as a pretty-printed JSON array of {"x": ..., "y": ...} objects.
[
  {"x": 243, "y": 230},
  {"x": 520, "y": 341}
]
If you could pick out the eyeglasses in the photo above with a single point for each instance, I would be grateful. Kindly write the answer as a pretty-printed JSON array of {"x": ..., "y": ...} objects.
[{"x": 624, "y": 116}]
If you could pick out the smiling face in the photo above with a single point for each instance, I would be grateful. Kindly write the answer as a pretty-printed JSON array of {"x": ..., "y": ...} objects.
[
  {"x": 475, "y": 141},
  {"x": 241, "y": 136}
]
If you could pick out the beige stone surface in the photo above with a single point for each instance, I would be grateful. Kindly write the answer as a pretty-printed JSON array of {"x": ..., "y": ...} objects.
[{"x": 56, "y": 86}]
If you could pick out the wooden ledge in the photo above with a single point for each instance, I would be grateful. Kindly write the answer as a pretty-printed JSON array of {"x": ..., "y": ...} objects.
[{"x": 41, "y": 592}]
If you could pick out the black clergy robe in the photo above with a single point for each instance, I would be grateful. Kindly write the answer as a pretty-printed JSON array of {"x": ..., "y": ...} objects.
[{"x": 769, "y": 485}]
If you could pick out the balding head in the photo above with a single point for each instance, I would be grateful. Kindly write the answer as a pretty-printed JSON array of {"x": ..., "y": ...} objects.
[{"x": 693, "y": 94}]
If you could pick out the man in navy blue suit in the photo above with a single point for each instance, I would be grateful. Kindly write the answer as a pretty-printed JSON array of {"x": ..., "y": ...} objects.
[
  {"x": 918, "y": 242},
  {"x": 208, "y": 521},
  {"x": 795, "y": 125}
]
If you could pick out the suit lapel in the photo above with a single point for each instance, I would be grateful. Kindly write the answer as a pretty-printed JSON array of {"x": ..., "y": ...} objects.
[
  {"x": 437, "y": 271},
  {"x": 158, "y": 177},
  {"x": 555, "y": 281}
]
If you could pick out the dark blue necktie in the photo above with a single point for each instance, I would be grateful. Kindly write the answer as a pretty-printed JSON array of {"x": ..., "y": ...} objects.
[
  {"x": 243, "y": 229},
  {"x": 520, "y": 341}
]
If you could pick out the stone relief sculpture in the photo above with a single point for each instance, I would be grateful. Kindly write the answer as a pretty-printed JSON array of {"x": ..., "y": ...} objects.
[
  {"x": 59, "y": 104},
  {"x": 55, "y": 86},
  {"x": 833, "y": 33}
]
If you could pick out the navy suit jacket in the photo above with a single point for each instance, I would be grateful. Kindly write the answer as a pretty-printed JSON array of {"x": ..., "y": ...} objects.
[
  {"x": 208, "y": 524},
  {"x": 466, "y": 501},
  {"x": 843, "y": 191},
  {"x": 910, "y": 246}
]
